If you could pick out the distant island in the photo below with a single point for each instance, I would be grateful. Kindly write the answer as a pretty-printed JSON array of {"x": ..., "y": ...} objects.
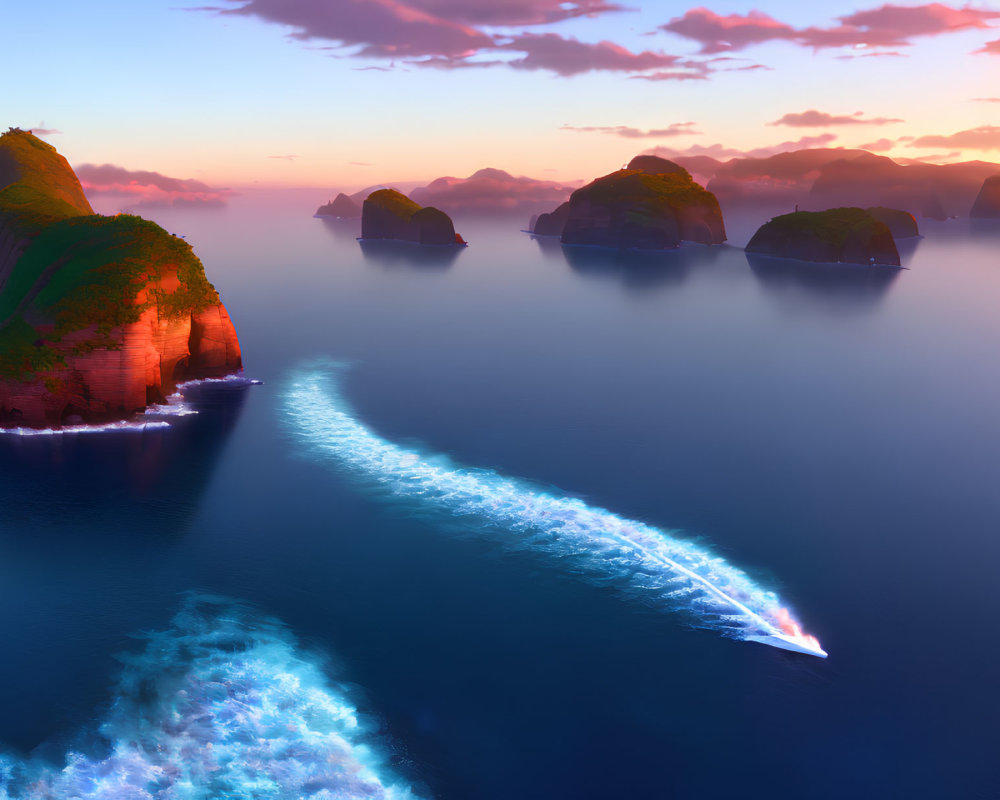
[
  {"x": 651, "y": 204},
  {"x": 99, "y": 316},
  {"x": 819, "y": 178},
  {"x": 342, "y": 207},
  {"x": 838, "y": 235},
  {"x": 987, "y": 205},
  {"x": 388, "y": 214}
]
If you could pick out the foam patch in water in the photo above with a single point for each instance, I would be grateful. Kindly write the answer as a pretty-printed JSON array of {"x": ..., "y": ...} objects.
[{"x": 222, "y": 705}]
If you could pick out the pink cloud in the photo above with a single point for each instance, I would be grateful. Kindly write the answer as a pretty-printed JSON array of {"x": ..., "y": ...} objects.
[
  {"x": 875, "y": 54},
  {"x": 878, "y": 146},
  {"x": 985, "y": 137},
  {"x": 142, "y": 188},
  {"x": 41, "y": 130},
  {"x": 990, "y": 48},
  {"x": 285, "y": 158},
  {"x": 383, "y": 28},
  {"x": 986, "y": 99},
  {"x": 512, "y": 12},
  {"x": 626, "y": 132},
  {"x": 718, "y": 34},
  {"x": 445, "y": 34},
  {"x": 820, "y": 119},
  {"x": 673, "y": 75},
  {"x": 566, "y": 56},
  {"x": 886, "y": 26}
]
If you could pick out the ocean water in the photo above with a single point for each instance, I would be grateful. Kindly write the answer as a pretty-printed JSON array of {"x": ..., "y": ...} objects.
[{"x": 831, "y": 433}]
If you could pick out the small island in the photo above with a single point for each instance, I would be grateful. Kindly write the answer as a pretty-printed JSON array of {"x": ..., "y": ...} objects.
[
  {"x": 341, "y": 207},
  {"x": 388, "y": 214},
  {"x": 987, "y": 205},
  {"x": 838, "y": 235},
  {"x": 99, "y": 316},
  {"x": 651, "y": 204}
]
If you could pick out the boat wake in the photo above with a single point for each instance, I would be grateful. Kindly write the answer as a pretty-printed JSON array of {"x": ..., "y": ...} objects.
[
  {"x": 155, "y": 417},
  {"x": 221, "y": 705},
  {"x": 667, "y": 570}
]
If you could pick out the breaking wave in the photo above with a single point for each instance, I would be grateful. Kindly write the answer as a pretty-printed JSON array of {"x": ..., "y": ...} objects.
[
  {"x": 668, "y": 570},
  {"x": 155, "y": 417},
  {"x": 222, "y": 705}
]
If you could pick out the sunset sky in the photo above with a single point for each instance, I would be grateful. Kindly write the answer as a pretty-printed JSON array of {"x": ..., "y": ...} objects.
[{"x": 347, "y": 93}]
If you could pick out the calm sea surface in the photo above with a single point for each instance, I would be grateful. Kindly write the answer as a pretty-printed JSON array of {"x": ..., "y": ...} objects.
[{"x": 834, "y": 432}]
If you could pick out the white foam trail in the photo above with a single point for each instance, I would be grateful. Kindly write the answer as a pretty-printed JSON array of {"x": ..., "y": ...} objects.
[
  {"x": 107, "y": 427},
  {"x": 667, "y": 569},
  {"x": 222, "y": 705},
  {"x": 150, "y": 419}
]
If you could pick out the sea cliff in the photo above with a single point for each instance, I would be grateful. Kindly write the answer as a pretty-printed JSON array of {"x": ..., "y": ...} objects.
[{"x": 99, "y": 316}]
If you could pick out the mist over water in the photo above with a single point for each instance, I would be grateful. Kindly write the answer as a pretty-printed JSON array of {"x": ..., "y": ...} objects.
[{"x": 832, "y": 433}]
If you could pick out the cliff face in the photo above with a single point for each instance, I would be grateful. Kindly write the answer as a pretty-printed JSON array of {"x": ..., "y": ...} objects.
[
  {"x": 99, "y": 316},
  {"x": 633, "y": 208},
  {"x": 987, "y": 205},
  {"x": 553, "y": 223},
  {"x": 388, "y": 214},
  {"x": 839, "y": 235},
  {"x": 902, "y": 224}
]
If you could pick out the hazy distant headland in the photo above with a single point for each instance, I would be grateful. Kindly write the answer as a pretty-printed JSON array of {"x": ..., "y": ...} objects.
[
  {"x": 818, "y": 179},
  {"x": 987, "y": 205},
  {"x": 99, "y": 316}
]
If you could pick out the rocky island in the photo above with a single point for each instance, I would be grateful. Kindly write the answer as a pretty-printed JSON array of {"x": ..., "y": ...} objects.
[
  {"x": 838, "y": 235},
  {"x": 388, "y": 214},
  {"x": 342, "y": 207},
  {"x": 99, "y": 316},
  {"x": 987, "y": 205},
  {"x": 651, "y": 204}
]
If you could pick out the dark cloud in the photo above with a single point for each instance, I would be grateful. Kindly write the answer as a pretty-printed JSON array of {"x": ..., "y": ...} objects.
[
  {"x": 626, "y": 132},
  {"x": 886, "y": 26},
  {"x": 820, "y": 119},
  {"x": 985, "y": 137},
  {"x": 142, "y": 188},
  {"x": 566, "y": 56}
]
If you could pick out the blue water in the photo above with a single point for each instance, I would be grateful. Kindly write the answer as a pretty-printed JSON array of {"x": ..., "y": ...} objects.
[{"x": 832, "y": 433}]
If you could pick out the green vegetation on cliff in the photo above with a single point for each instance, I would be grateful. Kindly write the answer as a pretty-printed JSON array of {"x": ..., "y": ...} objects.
[
  {"x": 79, "y": 270},
  {"x": 850, "y": 235},
  {"x": 396, "y": 202},
  {"x": 640, "y": 208}
]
